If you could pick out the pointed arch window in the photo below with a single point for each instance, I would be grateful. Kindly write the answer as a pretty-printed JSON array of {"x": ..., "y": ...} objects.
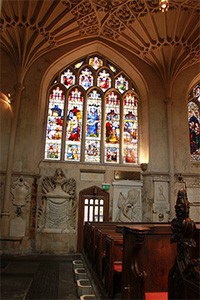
[
  {"x": 92, "y": 114},
  {"x": 194, "y": 122}
]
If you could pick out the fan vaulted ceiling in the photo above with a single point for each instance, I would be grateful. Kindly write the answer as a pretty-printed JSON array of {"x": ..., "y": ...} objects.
[{"x": 168, "y": 42}]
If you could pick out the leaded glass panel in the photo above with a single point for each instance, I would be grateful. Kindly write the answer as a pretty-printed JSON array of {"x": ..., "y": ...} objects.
[
  {"x": 86, "y": 78},
  {"x": 104, "y": 80},
  {"x": 68, "y": 78},
  {"x": 194, "y": 130},
  {"x": 130, "y": 131},
  {"x": 93, "y": 127},
  {"x": 54, "y": 124},
  {"x": 95, "y": 62},
  {"x": 74, "y": 125},
  {"x": 112, "y": 125},
  {"x": 121, "y": 84}
]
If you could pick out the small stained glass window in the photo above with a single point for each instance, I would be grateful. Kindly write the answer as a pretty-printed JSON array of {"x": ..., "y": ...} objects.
[
  {"x": 78, "y": 65},
  {"x": 121, "y": 84},
  {"x": 104, "y": 80},
  {"x": 113, "y": 69},
  {"x": 95, "y": 62},
  {"x": 86, "y": 78},
  {"x": 68, "y": 78},
  {"x": 194, "y": 123}
]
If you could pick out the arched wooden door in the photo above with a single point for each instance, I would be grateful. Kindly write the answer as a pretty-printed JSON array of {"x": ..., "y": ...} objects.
[{"x": 94, "y": 207}]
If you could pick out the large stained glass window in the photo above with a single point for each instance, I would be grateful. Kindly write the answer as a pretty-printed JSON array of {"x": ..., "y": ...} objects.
[
  {"x": 92, "y": 114},
  {"x": 194, "y": 122}
]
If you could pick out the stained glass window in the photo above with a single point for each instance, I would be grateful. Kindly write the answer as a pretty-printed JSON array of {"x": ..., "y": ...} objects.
[
  {"x": 93, "y": 114},
  {"x": 194, "y": 123}
]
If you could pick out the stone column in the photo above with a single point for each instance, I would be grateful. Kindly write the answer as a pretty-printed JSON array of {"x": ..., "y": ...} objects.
[
  {"x": 5, "y": 215},
  {"x": 169, "y": 103}
]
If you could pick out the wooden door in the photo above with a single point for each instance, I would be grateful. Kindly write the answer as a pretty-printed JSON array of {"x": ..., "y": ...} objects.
[{"x": 93, "y": 207}]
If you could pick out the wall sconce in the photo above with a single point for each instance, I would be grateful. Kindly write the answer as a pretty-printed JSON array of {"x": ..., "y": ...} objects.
[
  {"x": 144, "y": 166},
  {"x": 164, "y": 5}
]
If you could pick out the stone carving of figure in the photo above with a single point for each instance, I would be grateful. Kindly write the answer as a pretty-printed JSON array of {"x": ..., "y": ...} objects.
[
  {"x": 128, "y": 207},
  {"x": 55, "y": 184},
  {"x": 161, "y": 194}
]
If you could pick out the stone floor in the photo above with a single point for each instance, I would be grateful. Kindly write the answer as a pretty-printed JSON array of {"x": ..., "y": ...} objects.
[{"x": 39, "y": 277}]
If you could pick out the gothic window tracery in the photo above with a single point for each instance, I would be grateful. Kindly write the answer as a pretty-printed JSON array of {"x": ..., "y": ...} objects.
[{"x": 92, "y": 114}]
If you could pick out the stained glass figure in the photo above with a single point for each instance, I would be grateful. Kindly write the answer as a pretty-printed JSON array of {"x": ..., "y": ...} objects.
[
  {"x": 68, "y": 78},
  {"x": 54, "y": 124},
  {"x": 121, "y": 84},
  {"x": 52, "y": 150},
  {"x": 73, "y": 152},
  {"x": 95, "y": 62},
  {"x": 194, "y": 130},
  {"x": 92, "y": 151},
  {"x": 112, "y": 131},
  {"x": 130, "y": 132},
  {"x": 130, "y": 154},
  {"x": 86, "y": 78},
  {"x": 112, "y": 154},
  {"x": 74, "y": 125},
  {"x": 104, "y": 80},
  {"x": 93, "y": 127}
]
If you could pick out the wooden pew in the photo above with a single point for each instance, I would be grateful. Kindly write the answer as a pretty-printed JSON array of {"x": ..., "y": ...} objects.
[
  {"x": 101, "y": 251},
  {"x": 113, "y": 262},
  {"x": 147, "y": 258},
  {"x": 153, "y": 268},
  {"x": 90, "y": 231},
  {"x": 93, "y": 239}
]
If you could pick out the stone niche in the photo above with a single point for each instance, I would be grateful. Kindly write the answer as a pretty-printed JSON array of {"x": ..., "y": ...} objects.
[
  {"x": 161, "y": 206},
  {"x": 127, "y": 200},
  {"x": 193, "y": 194},
  {"x": 56, "y": 214}
]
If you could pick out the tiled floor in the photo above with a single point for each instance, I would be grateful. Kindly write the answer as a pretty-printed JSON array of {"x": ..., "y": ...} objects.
[{"x": 38, "y": 277}]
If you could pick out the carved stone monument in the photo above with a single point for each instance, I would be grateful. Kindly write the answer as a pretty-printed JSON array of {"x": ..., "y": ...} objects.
[
  {"x": 161, "y": 207},
  {"x": 127, "y": 203},
  {"x": 57, "y": 210},
  {"x": 20, "y": 191}
]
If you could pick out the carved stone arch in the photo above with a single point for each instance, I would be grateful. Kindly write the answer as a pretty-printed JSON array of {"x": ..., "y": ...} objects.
[{"x": 93, "y": 206}]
